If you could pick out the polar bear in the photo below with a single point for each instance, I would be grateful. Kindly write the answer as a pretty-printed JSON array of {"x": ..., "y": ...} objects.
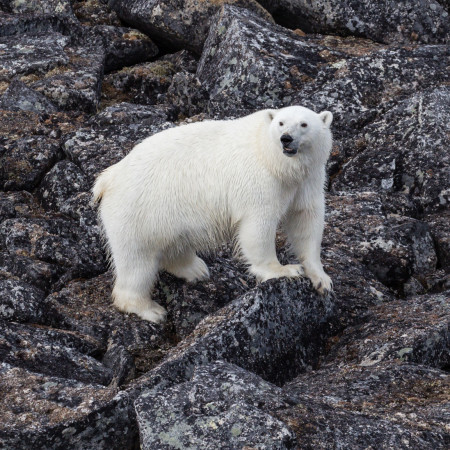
[{"x": 192, "y": 187}]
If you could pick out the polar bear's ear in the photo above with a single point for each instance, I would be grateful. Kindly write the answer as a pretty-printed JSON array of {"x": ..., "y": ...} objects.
[
  {"x": 327, "y": 118},
  {"x": 271, "y": 114}
]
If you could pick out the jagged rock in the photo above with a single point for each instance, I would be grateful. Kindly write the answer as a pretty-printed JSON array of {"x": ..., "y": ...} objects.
[
  {"x": 19, "y": 96},
  {"x": 76, "y": 85},
  {"x": 32, "y": 54},
  {"x": 417, "y": 164},
  {"x": 187, "y": 94},
  {"x": 413, "y": 330},
  {"x": 66, "y": 70},
  {"x": 175, "y": 27},
  {"x": 248, "y": 63},
  {"x": 183, "y": 61},
  {"x": 438, "y": 224},
  {"x": 19, "y": 24},
  {"x": 142, "y": 83},
  {"x": 28, "y": 347},
  {"x": 95, "y": 149},
  {"x": 392, "y": 404},
  {"x": 355, "y": 286},
  {"x": 22, "y": 302},
  {"x": 40, "y": 7},
  {"x": 15, "y": 266},
  {"x": 222, "y": 406},
  {"x": 86, "y": 307},
  {"x": 393, "y": 247},
  {"x": 275, "y": 330},
  {"x": 15, "y": 124},
  {"x": 73, "y": 248},
  {"x": 94, "y": 12},
  {"x": 18, "y": 203},
  {"x": 130, "y": 113},
  {"x": 24, "y": 162},
  {"x": 148, "y": 83},
  {"x": 424, "y": 21},
  {"x": 63, "y": 181},
  {"x": 38, "y": 411},
  {"x": 188, "y": 303},
  {"x": 32, "y": 271},
  {"x": 358, "y": 89},
  {"x": 125, "y": 46},
  {"x": 121, "y": 362},
  {"x": 360, "y": 356}
]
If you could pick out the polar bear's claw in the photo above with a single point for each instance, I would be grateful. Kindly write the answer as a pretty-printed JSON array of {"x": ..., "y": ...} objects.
[{"x": 322, "y": 283}]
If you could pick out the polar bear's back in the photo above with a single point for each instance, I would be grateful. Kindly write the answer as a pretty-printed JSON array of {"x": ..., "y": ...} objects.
[{"x": 183, "y": 180}]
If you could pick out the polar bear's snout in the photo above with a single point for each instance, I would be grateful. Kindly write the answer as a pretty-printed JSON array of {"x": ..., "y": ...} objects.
[
  {"x": 289, "y": 147},
  {"x": 286, "y": 139}
]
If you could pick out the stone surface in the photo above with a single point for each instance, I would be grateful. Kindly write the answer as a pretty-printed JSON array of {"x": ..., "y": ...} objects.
[
  {"x": 63, "y": 181},
  {"x": 359, "y": 88},
  {"x": 57, "y": 241},
  {"x": 275, "y": 331},
  {"x": 421, "y": 21},
  {"x": 85, "y": 307},
  {"x": 94, "y": 12},
  {"x": 48, "y": 412},
  {"x": 28, "y": 347},
  {"x": 413, "y": 330},
  {"x": 223, "y": 406},
  {"x": 19, "y": 96},
  {"x": 142, "y": 83},
  {"x": 25, "y": 161},
  {"x": 94, "y": 149},
  {"x": 125, "y": 46},
  {"x": 177, "y": 27},
  {"x": 22, "y": 302},
  {"x": 392, "y": 404},
  {"x": 248, "y": 63},
  {"x": 39, "y": 7},
  {"x": 393, "y": 247},
  {"x": 417, "y": 165}
]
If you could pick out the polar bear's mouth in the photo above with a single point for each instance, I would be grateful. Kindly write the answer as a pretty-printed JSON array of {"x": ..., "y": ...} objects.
[{"x": 289, "y": 151}]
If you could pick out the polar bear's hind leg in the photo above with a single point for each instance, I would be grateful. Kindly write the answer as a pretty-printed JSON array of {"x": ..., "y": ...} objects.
[
  {"x": 188, "y": 266},
  {"x": 133, "y": 285}
]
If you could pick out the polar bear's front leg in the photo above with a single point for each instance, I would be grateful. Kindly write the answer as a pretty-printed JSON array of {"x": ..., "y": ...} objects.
[
  {"x": 135, "y": 277},
  {"x": 257, "y": 244},
  {"x": 304, "y": 229}
]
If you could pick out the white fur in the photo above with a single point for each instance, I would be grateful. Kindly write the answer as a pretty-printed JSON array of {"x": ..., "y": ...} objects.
[{"x": 189, "y": 188}]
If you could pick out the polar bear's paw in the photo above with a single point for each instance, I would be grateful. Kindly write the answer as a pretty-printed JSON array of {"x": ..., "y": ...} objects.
[
  {"x": 322, "y": 282},
  {"x": 144, "y": 307},
  {"x": 292, "y": 270},
  {"x": 191, "y": 269},
  {"x": 277, "y": 271},
  {"x": 153, "y": 315}
]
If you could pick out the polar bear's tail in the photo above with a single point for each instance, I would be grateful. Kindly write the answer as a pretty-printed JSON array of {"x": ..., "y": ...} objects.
[{"x": 101, "y": 185}]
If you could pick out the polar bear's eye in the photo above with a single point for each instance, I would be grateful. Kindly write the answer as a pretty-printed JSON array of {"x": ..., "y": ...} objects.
[
  {"x": 281, "y": 124},
  {"x": 304, "y": 124}
]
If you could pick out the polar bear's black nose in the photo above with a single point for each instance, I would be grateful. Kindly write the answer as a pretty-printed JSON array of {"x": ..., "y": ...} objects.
[{"x": 286, "y": 139}]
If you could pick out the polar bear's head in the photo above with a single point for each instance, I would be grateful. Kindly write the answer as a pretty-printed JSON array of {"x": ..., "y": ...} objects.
[{"x": 296, "y": 130}]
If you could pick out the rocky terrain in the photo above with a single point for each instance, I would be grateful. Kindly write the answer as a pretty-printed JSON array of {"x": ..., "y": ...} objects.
[{"x": 238, "y": 365}]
